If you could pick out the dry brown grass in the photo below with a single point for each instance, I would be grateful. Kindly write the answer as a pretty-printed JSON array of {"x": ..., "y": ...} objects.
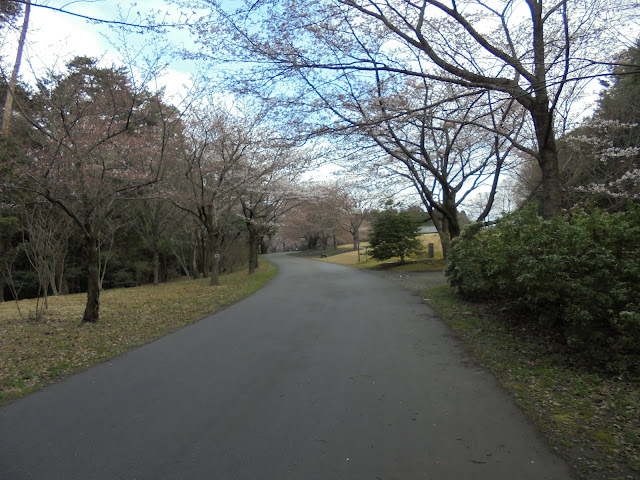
[
  {"x": 33, "y": 352},
  {"x": 350, "y": 257}
]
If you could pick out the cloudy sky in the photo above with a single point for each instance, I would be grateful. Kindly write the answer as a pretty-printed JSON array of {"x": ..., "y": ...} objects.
[{"x": 54, "y": 37}]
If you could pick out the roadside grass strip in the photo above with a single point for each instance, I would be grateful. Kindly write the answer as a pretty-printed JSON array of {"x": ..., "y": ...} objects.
[
  {"x": 34, "y": 352},
  {"x": 592, "y": 420}
]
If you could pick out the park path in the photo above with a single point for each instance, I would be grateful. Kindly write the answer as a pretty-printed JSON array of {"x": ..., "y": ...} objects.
[{"x": 326, "y": 373}]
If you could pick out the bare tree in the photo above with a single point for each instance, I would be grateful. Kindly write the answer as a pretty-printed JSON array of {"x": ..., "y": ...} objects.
[
  {"x": 45, "y": 240},
  {"x": 354, "y": 205},
  {"x": 440, "y": 140},
  {"x": 183, "y": 246},
  {"x": 531, "y": 52}
]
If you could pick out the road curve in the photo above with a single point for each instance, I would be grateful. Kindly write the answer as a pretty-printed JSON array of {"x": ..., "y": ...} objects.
[{"x": 327, "y": 373}]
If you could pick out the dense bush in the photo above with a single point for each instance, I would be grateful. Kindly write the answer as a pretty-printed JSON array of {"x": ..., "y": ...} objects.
[{"x": 577, "y": 274}]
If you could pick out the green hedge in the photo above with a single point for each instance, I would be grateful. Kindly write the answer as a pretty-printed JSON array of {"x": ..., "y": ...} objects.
[{"x": 577, "y": 274}]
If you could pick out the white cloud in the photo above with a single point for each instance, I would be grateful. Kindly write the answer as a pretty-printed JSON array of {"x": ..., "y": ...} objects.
[{"x": 54, "y": 37}]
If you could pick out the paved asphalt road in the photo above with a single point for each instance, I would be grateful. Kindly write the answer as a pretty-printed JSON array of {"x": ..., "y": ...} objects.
[{"x": 326, "y": 373}]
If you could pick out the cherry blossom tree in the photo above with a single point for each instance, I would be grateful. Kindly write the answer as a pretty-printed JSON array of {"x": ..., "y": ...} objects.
[
  {"x": 532, "y": 53},
  {"x": 269, "y": 194},
  {"x": 206, "y": 180},
  {"x": 317, "y": 220},
  {"x": 354, "y": 209},
  {"x": 444, "y": 144},
  {"x": 96, "y": 140},
  {"x": 600, "y": 159}
]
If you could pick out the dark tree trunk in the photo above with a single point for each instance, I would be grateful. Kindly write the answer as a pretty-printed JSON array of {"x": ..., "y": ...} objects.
[
  {"x": 204, "y": 254},
  {"x": 194, "y": 256},
  {"x": 64, "y": 285},
  {"x": 447, "y": 225},
  {"x": 156, "y": 267},
  {"x": 312, "y": 243},
  {"x": 254, "y": 241},
  {"x": 215, "y": 275},
  {"x": 543, "y": 124},
  {"x": 92, "y": 310},
  {"x": 214, "y": 260},
  {"x": 551, "y": 185}
]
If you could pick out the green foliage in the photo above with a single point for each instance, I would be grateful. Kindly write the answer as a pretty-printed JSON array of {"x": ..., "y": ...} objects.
[
  {"x": 394, "y": 234},
  {"x": 9, "y": 11},
  {"x": 577, "y": 274},
  {"x": 8, "y": 226}
]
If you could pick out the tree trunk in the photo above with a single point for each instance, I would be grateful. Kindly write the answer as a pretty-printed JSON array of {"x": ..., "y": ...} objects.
[
  {"x": 214, "y": 260},
  {"x": 214, "y": 279},
  {"x": 3, "y": 281},
  {"x": 60, "y": 279},
  {"x": 204, "y": 253},
  {"x": 64, "y": 285},
  {"x": 448, "y": 226},
  {"x": 264, "y": 245},
  {"x": 445, "y": 241},
  {"x": 156, "y": 267},
  {"x": 254, "y": 240},
  {"x": 551, "y": 186},
  {"x": 92, "y": 310},
  {"x": 194, "y": 256},
  {"x": 547, "y": 159}
]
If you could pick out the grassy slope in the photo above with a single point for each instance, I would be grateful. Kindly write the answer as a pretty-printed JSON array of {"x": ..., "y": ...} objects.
[{"x": 34, "y": 352}]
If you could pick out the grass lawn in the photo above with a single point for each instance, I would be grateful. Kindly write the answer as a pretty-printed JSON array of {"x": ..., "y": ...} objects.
[
  {"x": 592, "y": 420},
  {"x": 35, "y": 352},
  {"x": 345, "y": 255}
]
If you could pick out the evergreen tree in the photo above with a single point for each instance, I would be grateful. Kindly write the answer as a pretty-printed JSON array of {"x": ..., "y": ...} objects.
[{"x": 394, "y": 234}]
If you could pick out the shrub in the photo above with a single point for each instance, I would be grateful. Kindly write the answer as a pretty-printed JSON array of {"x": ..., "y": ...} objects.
[{"x": 577, "y": 274}]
